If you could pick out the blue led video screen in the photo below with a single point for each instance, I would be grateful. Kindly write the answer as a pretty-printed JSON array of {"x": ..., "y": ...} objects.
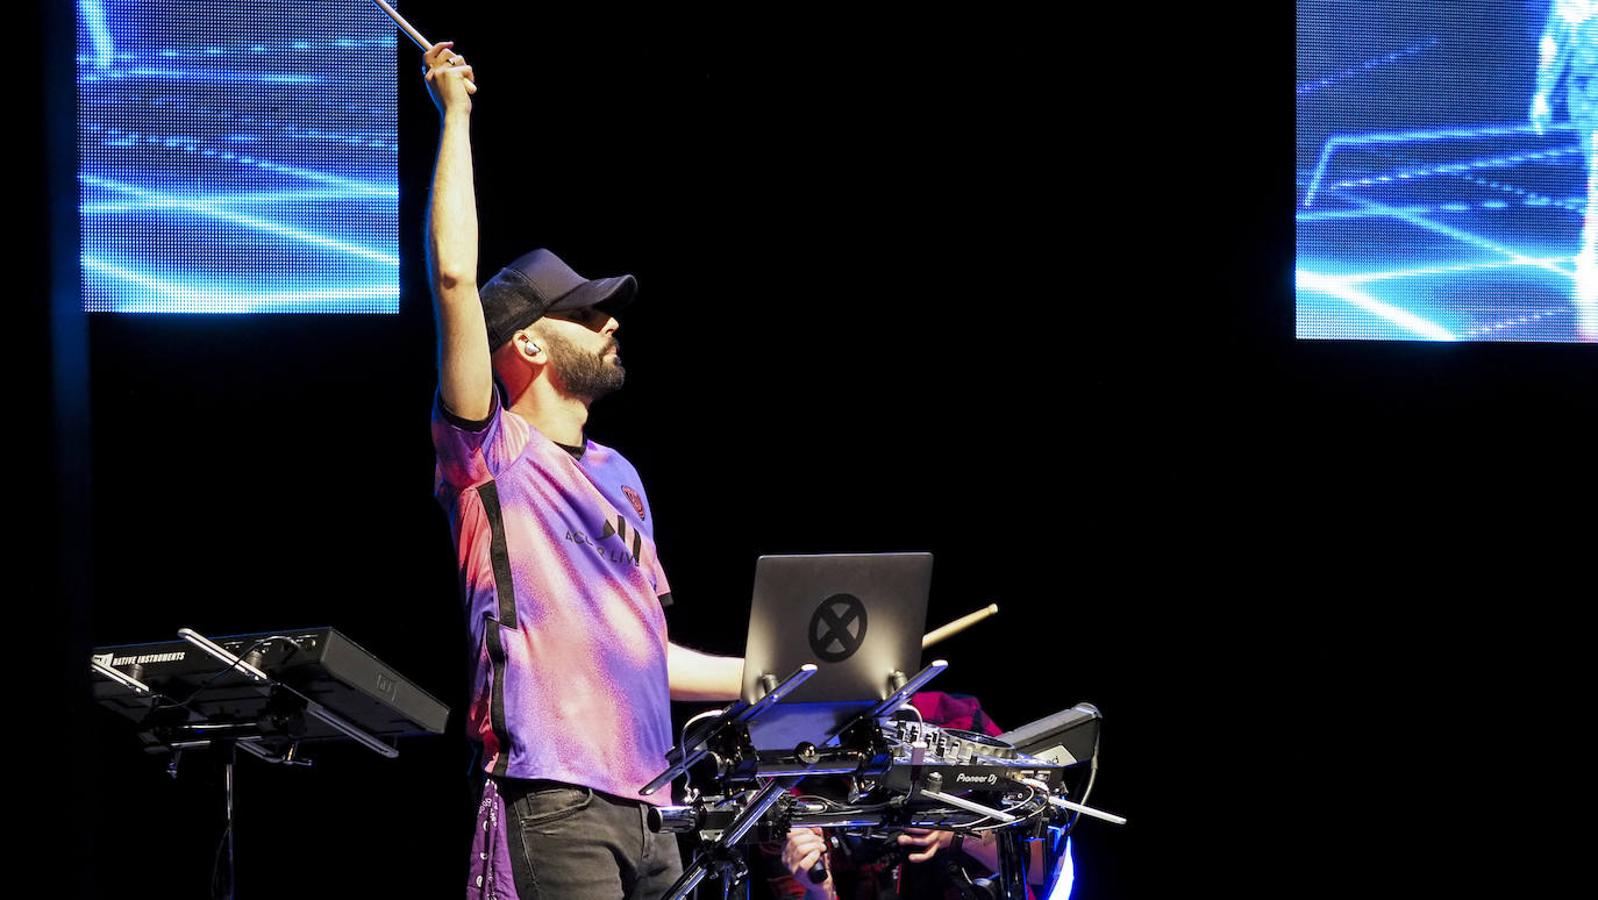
[
  {"x": 1446, "y": 185},
  {"x": 237, "y": 157}
]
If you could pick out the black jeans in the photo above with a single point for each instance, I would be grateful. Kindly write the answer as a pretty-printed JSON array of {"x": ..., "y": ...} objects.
[{"x": 578, "y": 843}]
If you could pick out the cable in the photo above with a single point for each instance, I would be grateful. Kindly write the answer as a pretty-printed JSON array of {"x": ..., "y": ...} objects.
[
  {"x": 835, "y": 806},
  {"x": 1032, "y": 793},
  {"x": 1093, "y": 774},
  {"x": 227, "y": 831},
  {"x": 911, "y": 706},
  {"x": 1093, "y": 771},
  {"x": 216, "y": 863},
  {"x": 682, "y": 741},
  {"x": 248, "y": 650}
]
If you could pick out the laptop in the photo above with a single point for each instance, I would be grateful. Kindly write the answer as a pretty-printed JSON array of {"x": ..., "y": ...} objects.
[{"x": 858, "y": 617}]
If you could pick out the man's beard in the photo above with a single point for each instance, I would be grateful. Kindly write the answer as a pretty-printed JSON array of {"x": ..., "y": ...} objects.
[{"x": 586, "y": 376}]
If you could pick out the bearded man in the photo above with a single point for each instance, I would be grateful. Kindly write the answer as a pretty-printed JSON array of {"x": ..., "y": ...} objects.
[{"x": 564, "y": 592}]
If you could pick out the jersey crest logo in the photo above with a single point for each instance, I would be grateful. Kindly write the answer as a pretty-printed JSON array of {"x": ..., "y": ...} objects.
[{"x": 637, "y": 501}]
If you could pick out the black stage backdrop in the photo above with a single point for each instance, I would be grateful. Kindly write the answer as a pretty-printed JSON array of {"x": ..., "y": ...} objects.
[{"x": 1010, "y": 290}]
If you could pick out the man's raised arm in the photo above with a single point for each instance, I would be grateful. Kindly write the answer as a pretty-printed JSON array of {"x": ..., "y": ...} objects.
[{"x": 465, "y": 372}]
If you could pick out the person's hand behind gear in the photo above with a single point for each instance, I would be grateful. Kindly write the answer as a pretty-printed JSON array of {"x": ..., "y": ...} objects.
[
  {"x": 804, "y": 847},
  {"x": 449, "y": 78},
  {"x": 930, "y": 842},
  {"x": 1542, "y": 114}
]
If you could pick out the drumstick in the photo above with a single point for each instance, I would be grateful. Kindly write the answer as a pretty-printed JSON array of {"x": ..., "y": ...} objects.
[
  {"x": 958, "y": 625},
  {"x": 405, "y": 26}
]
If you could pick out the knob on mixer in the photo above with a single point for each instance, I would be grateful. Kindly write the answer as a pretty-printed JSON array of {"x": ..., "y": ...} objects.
[{"x": 966, "y": 744}]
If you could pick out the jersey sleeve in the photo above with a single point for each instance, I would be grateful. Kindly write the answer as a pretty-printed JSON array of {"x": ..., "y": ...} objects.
[{"x": 473, "y": 452}]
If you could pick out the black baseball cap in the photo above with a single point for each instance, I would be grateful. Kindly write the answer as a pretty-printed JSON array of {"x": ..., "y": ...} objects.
[{"x": 540, "y": 283}]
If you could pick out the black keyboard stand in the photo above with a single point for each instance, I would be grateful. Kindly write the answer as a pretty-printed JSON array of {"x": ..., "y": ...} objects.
[{"x": 210, "y": 718}]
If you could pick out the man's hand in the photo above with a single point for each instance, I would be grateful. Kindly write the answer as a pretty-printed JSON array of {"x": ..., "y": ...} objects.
[
  {"x": 449, "y": 78},
  {"x": 804, "y": 848},
  {"x": 930, "y": 842}
]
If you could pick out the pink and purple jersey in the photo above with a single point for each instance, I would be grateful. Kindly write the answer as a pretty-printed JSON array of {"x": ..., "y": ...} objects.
[{"x": 563, "y": 595}]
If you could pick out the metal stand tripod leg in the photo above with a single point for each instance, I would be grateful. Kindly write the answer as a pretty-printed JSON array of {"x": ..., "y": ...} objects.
[
  {"x": 227, "y": 789},
  {"x": 1012, "y": 864}
]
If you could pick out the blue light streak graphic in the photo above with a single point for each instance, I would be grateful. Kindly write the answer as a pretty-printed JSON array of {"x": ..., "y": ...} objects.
[
  {"x": 1350, "y": 287},
  {"x": 158, "y": 295},
  {"x": 1532, "y": 202},
  {"x": 1353, "y": 295},
  {"x": 269, "y": 198},
  {"x": 93, "y": 14},
  {"x": 1529, "y": 198},
  {"x": 299, "y": 45},
  {"x": 1447, "y": 190},
  {"x": 1411, "y": 137},
  {"x": 1517, "y": 322},
  {"x": 1491, "y": 162},
  {"x": 157, "y": 200},
  {"x": 1462, "y": 236},
  {"x": 1551, "y": 264},
  {"x": 117, "y": 138},
  {"x": 1309, "y": 87},
  {"x": 231, "y": 164},
  {"x": 213, "y": 76}
]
